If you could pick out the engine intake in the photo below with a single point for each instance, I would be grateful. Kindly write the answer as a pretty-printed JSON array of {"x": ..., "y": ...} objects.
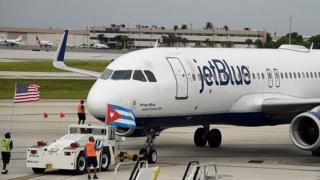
[{"x": 304, "y": 131}]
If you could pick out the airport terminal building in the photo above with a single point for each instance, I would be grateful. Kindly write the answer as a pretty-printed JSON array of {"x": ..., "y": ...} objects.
[{"x": 122, "y": 37}]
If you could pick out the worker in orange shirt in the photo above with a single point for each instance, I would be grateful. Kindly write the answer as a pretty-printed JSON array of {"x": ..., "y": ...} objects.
[
  {"x": 91, "y": 156},
  {"x": 81, "y": 112}
]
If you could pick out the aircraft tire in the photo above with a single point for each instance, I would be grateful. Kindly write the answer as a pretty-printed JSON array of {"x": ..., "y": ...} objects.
[
  {"x": 152, "y": 156},
  {"x": 199, "y": 138},
  {"x": 38, "y": 170},
  {"x": 214, "y": 138}
]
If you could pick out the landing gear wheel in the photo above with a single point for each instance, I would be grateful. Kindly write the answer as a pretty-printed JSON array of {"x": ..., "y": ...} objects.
[
  {"x": 315, "y": 153},
  {"x": 143, "y": 154},
  {"x": 38, "y": 170},
  {"x": 214, "y": 138},
  {"x": 104, "y": 161},
  {"x": 152, "y": 156},
  {"x": 81, "y": 164},
  {"x": 200, "y": 137}
]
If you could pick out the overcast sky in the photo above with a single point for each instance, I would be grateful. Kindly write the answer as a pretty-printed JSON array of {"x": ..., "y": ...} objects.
[{"x": 272, "y": 15}]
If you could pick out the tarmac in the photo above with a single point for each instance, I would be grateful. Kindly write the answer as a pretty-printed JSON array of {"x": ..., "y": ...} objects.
[{"x": 246, "y": 153}]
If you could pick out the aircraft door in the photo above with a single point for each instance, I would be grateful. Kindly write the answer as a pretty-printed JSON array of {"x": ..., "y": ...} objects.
[
  {"x": 180, "y": 75},
  {"x": 276, "y": 77},
  {"x": 270, "y": 78}
]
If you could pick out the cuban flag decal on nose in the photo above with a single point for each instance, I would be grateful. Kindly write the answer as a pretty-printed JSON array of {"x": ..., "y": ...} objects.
[{"x": 118, "y": 116}]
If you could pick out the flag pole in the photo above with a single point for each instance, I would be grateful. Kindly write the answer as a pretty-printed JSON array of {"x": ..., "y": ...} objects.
[{"x": 13, "y": 106}]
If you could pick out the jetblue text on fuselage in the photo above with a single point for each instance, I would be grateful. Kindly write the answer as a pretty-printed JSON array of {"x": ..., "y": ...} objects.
[{"x": 218, "y": 72}]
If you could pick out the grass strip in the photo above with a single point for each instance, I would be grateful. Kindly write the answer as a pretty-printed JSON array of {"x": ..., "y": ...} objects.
[
  {"x": 50, "y": 89},
  {"x": 46, "y": 65}
]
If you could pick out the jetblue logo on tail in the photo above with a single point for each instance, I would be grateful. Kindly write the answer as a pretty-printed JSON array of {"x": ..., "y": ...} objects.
[{"x": 220, "y": 73}]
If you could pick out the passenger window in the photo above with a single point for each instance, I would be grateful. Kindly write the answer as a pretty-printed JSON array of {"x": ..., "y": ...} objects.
[
  {"x": 106, "y": 74},
  {"x": 315, "y": 75},
  {"x": 299, "y": 75},
  {"x": 258, "y": 75},
  {"x": 150, "y": 76},
  {"x": 253, "y": 76},
  {"x": 281, "y": 75},
  {"x": 262, "y": 75},
  {"x": 294, "y": 75},
  {"x": 311, "y": 75},
  {"x": 303, "y": 75},
  {"x": 121, "y": 75},
  {"x": 286, "y": 74},
  {"x": 138, "y": 75},
  {"x": 307, "y": 75}
]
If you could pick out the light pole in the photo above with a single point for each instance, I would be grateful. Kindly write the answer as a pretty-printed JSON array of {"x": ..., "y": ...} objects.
[{"x": 290, "y": 29}]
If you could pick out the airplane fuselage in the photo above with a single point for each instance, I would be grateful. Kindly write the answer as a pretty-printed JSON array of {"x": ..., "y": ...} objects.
[{"x": 196, "y": 86}]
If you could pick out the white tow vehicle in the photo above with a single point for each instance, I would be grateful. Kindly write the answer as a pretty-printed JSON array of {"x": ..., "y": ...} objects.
[{"x": 67, "y": 152}]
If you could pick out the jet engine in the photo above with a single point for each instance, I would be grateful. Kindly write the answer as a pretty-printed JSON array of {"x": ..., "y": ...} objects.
[
  {"x": 124, "y": 131},
  {"x": 304, "y": 131}
]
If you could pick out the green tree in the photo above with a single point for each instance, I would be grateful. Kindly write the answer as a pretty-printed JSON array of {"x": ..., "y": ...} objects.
[
  {"x": 184, "y": 41},
  {"x": 208, "y": 42},
  {"x": 258, "y": 43},
  {"x": 175, "y": 27},
  {"x": 184, "y": 26},
  {"x": 101, "y": 38},
  {"x": 226, "y": 28},
  {"x": 316, "y": 41},
  {"x": 269, "y": 43},
  {"x": 209, "y": 25},
  {"x": 295, "y": 39},
  {"x": 248, "y": 42}
]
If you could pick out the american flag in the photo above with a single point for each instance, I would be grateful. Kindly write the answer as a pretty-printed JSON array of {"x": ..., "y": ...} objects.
[{"x": 26, "y": 93}]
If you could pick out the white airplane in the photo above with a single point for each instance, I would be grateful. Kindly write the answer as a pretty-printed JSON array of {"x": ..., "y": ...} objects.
[
  {"x": 173, "y": 87},
  {"x": 11, "y": 42},
  {"x": 43, "y": 43},
  {"x": 97, "y": 45}
]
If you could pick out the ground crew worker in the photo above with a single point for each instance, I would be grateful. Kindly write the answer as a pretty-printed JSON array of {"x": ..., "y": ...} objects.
[
  {"x": 81, "y": 112},
  {"x": 91, "y": 156},
  {"x": 6, "y": 147}
]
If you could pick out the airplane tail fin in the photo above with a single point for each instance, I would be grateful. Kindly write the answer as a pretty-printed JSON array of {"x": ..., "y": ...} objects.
[
  {"x": 58, "y": 60},
  {"x": 19, "y": 39}
]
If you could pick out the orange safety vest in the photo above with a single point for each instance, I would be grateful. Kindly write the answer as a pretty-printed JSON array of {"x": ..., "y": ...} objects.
[
  {"x": 80, "y": 109},
  {"x": 90, "y": 149}
]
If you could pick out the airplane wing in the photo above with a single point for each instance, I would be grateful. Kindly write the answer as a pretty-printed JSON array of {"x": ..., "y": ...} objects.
[
  {"x": 58, "y": 60},
  {"x": 274, "y": 106}
]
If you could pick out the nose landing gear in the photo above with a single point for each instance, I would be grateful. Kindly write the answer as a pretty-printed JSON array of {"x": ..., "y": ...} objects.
[
  {"x": 204, "y": 135},
  {"x": 149, "y": 153}
]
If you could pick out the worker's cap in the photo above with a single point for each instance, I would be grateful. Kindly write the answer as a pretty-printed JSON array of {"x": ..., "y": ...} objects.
[{"x": 7, "y": 135}]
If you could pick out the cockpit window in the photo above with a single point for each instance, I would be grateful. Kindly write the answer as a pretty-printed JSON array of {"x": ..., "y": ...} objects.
[
  {"x": 150, "y": 76},
  {"x": 121, "y": 75},
  {"x": 106, "y": 74},
  {"x": 139, "y": 76}
]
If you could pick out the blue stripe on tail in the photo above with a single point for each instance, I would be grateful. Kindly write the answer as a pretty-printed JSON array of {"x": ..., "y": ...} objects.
[{"x": 62, "y": 46}]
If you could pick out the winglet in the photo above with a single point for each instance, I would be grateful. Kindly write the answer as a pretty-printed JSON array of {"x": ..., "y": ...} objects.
[
  {"x": 311, "y": 47},
  {"x": 58, "y": 60},
  {"x": 156, "y": 44},
  {"x": 59, "y": 56}
]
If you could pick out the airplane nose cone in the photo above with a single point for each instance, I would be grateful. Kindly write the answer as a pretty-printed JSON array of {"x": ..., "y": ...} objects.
[{"x": 99, "y": 97}]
